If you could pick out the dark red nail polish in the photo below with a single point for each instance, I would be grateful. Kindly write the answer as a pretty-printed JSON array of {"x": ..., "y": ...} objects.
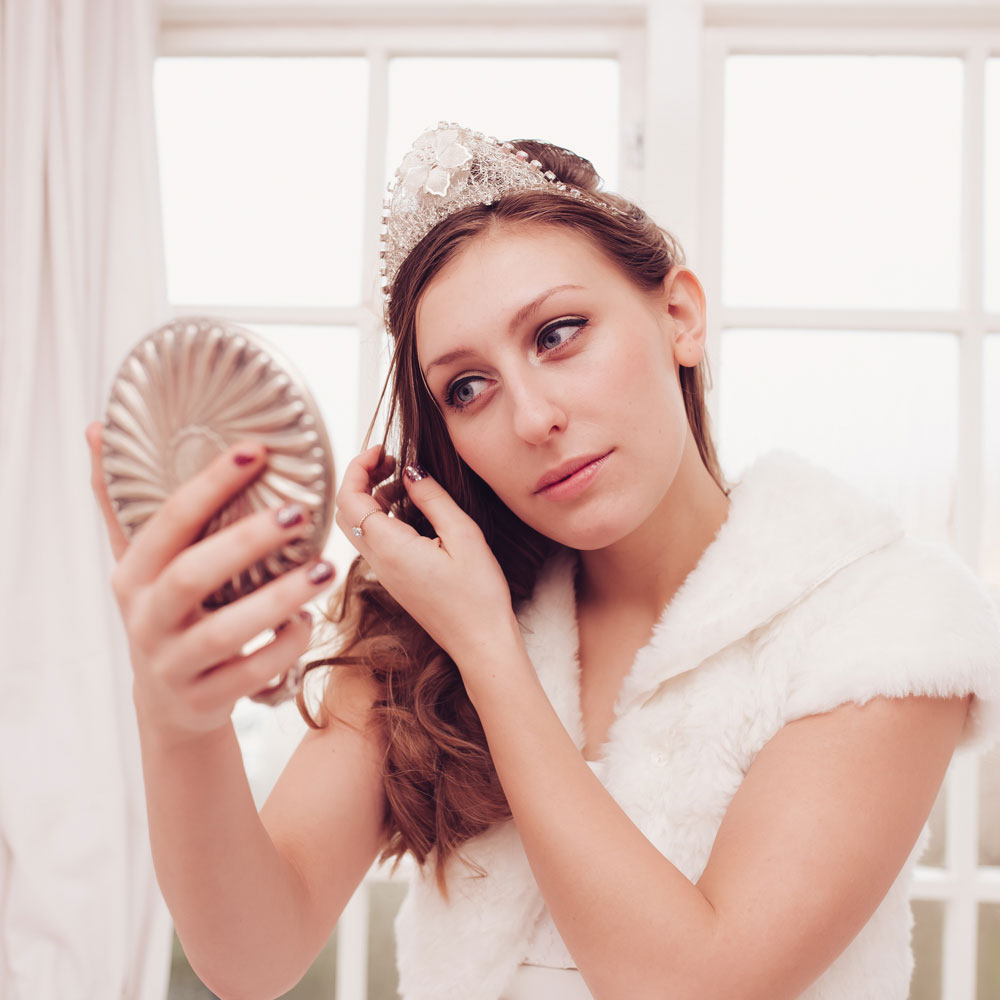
[
  {"x": 242, "y": 458},
  {"x": 320, "y": 573},
  {"x": 415, "y": 473},
  {"x": 290, "y": 514}
]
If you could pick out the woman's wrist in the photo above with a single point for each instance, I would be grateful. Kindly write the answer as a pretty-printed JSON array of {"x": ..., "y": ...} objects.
[
  {"x": 160, "y": 735},
  {"x": 495, "y": 665}
]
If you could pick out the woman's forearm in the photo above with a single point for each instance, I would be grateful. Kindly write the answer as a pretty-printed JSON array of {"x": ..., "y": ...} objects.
[
  {"x": 238, "y": 905},
  {"x": 633, "y": 908}
]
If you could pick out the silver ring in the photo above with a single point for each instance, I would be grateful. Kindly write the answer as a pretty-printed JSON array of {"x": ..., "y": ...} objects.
[
  {"x": 357, "y": 528},
  {"x": 284, "y": 689}
]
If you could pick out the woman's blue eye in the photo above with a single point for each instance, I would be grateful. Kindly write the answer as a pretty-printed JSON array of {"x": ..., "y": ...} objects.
[
  {"x": 463, "y": 392},
  {"x": 556, "y": 335}
]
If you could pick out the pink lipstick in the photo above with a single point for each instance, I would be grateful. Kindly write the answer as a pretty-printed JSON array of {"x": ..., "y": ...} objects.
[{"x": 570, "y": 478}]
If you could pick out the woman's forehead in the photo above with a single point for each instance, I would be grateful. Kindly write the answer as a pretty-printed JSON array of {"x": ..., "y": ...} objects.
[
  {"x": 516, "y": 237},
  {"x": 505, "y": 268}
]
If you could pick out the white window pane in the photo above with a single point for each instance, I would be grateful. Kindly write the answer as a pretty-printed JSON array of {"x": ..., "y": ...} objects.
[
  {"x": 991, "y": 460},
  {"x": 880, "y": 409},
  {"x": 992, "y": 275},
  {"x": 842, "y": 178},
  {"x": 511, "y": 98},
  {"x": 262, "y": 170}
]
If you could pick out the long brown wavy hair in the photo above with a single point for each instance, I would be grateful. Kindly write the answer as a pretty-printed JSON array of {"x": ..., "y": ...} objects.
[{"x": 441, "y": 787}]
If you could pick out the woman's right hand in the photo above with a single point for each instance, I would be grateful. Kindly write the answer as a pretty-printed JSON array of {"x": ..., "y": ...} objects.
[{"x": 187, "y": 665}]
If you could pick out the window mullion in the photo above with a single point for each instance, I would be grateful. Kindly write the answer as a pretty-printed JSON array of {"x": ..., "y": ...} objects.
[
  {"x": 960, "y": 945},
  {"x": 372, "y": 336},
  {"x": 296, "y": 315},
  {"x": 791, "y": 317},
  {"x": 988, "y": 885},
  {"x": 352, "y": 945}
]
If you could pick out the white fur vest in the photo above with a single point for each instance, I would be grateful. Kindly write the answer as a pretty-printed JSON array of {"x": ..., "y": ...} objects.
[{"x": 809, "y": 596}]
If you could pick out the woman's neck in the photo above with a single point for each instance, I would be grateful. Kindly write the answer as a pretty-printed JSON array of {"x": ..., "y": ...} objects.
[{"x": 648, "y": 566}]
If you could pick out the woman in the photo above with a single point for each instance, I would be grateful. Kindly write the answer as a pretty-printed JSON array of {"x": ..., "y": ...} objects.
[{"x": 648, "y": 734}]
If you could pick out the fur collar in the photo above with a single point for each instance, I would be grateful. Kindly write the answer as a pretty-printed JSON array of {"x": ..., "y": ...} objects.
[{"x": 791, "y": 526}]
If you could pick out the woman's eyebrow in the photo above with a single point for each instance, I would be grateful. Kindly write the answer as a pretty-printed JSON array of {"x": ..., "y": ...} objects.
[
  {"x": 526, "y": 312},
  {"x": 522, "y": 314}
]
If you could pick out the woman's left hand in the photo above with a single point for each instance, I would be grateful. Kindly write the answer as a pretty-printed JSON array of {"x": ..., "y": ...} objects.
[{"x": 451, "y": 585}]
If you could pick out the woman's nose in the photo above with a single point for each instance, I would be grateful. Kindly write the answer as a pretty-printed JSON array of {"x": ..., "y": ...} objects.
[{"x": 537, "y": 412}]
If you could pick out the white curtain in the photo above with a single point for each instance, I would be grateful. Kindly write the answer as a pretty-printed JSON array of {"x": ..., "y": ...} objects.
[{"x": 81, "y": 279}]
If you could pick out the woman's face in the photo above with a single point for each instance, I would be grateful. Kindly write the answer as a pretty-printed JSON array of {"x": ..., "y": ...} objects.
[{"x": 558, "y": 379}]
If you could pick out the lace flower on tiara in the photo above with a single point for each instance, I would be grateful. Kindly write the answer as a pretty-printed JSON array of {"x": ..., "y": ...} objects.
[
  {"x": 436, "y": 161},
  {"x": 450, "y": 168}
]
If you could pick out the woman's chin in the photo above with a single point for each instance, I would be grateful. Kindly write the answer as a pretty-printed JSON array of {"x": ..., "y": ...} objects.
[{"x": 589, "y": 537}]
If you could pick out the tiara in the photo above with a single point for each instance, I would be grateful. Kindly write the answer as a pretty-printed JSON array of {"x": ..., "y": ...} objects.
[{"x": 449, "y": 168}]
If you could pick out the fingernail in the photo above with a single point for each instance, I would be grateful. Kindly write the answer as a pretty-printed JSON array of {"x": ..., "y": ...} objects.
[
  {"x": 244, "y": 458},
  {"x": 321, "y": 572},
  {"x": 305, "y": 616},
  {"x": 282, "y": 626},
  {"x": 288, "y": 515},
  {"x": 415, "y": 473}
]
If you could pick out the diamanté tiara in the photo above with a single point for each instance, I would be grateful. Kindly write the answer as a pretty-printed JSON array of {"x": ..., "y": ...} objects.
[{"x": 447, "y": 169}]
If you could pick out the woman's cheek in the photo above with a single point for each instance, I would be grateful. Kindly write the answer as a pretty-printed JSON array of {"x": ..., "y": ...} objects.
[{"x": 482, "y": 449}]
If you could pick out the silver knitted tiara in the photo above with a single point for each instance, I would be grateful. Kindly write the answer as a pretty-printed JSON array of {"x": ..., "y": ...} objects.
[{"x": 449, "y": 168}]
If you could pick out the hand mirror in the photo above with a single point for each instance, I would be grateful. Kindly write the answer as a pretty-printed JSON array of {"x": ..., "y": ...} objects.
[{"x": 193, "y": 388}]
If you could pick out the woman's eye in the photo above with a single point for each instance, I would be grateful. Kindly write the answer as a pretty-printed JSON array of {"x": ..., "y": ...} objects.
[
  {"x": 464, "y": 391},
  {"x": 559, "y": 333}
]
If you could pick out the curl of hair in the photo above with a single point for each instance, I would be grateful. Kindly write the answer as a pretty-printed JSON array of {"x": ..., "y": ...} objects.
[{"x": 441, "y": 787}]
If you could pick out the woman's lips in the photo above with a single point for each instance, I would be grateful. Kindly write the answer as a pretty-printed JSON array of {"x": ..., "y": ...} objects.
[{"x": 571, "y": 477}]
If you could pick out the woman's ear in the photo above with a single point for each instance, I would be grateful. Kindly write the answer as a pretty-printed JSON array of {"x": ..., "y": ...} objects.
[{"x": 685, "y": 301}]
